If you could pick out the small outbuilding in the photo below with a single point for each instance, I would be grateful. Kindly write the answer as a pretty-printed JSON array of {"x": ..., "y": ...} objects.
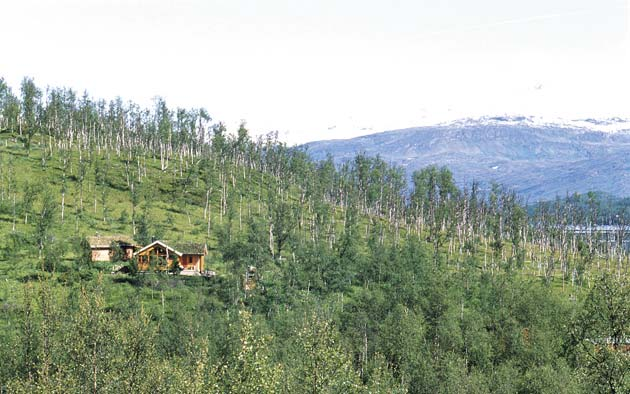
[{"x": 102, "y": 247}]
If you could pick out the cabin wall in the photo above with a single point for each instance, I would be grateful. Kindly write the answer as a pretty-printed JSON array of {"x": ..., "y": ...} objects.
[
  {"x": 100, "y": 255},
  {"x": 105, "y": 254},
  {"x": 191, "y": 262}
]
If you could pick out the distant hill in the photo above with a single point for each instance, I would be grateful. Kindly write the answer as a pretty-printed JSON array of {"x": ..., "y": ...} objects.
[{"x": 539, "y": 160}]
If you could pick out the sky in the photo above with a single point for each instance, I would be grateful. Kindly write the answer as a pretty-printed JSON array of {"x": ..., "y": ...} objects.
[{"x": 324, "y": 69}]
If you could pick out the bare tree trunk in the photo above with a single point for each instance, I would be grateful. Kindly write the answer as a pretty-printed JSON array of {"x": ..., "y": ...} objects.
[
  {"x": 13, "y": 228},
  {"x": 271, "y": 240},
  {"x": 63, "y": 205}
]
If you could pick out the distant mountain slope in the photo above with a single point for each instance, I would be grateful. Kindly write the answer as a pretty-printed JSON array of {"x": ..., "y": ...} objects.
[{"x": 539, "y": 160}]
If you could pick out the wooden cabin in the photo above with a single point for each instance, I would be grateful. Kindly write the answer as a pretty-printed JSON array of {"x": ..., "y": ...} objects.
[
  {"x": 190, "y": 256},
  {"x": 101, "y": 246}
]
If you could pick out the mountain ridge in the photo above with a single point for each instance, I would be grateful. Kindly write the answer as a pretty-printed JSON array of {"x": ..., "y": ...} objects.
[{"x": 537, "y": 158}]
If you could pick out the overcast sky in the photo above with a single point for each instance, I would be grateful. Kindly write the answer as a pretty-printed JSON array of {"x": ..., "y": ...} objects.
[{"x": 325, "y": 69}]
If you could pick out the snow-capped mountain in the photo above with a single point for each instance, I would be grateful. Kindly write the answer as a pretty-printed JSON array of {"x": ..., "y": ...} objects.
[{"x": 539, "y": 158}]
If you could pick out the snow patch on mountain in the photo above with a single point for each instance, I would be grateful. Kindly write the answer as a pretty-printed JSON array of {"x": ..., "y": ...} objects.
[{"x": 609, "y": 125}]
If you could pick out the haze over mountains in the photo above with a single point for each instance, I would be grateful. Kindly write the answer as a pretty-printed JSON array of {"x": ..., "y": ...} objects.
[{"x": 539, "y": 159}]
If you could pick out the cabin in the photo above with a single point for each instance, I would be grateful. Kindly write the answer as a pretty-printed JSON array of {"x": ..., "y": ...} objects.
[
  {"x": 101, "y": 246},
  {"x": 189, "y": 256}
]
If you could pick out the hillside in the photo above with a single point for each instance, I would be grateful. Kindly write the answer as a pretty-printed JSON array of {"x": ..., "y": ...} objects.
[
  {"x": 538, "y": 160},
  {"x": 329, "y": 279},
  {"x": 76, "y": 194}
]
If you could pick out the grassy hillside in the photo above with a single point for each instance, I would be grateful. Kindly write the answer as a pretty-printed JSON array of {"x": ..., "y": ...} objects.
[{"x": 167, "y": 206}]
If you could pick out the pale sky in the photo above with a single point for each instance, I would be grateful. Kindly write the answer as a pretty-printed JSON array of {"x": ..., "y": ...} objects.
[{"x": 330, "y": 68}]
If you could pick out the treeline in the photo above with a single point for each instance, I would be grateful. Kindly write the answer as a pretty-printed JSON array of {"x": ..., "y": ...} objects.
[{"x": 592, "y": 208}]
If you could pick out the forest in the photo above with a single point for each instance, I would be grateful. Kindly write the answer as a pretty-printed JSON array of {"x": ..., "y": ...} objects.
[{"x": 363, "y": 281}]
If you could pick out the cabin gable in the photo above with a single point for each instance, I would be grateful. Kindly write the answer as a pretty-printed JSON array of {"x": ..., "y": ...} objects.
[{"x": 161, "y": 256}]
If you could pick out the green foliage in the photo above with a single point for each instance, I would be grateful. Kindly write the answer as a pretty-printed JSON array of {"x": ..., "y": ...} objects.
[
  {"x": 117, "y": 253},
  {"x": 434, "y": 197},
  {"x": 174, "y": 267},
  {"x": 250, "y": 369},
  {"x": 9, "y": 108},
  {"x": 30, "y": 106},
  {"x": 600, "y": 334},
  {"x": 360, "y": 285},
  {"x": 319, "y": 362},
  {"x": 143, "y": 234},
  {"x": 53, "y": 253},
  {"x": 83, "y": 252},
  {"x": 133, "y": 266},
  {"x": 45, "y": 220}
]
